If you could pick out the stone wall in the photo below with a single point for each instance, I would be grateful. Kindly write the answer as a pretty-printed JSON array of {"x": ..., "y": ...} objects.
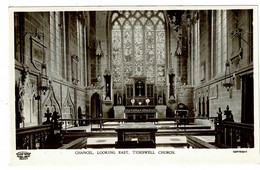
[
  {"x": 57, "y": 57},
  {"x": 212, "y": 87},
  {"x": 61, "y": 49}
]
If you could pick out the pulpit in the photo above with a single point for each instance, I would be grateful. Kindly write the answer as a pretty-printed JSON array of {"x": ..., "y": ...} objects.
[{"x": 136, "y": 135}]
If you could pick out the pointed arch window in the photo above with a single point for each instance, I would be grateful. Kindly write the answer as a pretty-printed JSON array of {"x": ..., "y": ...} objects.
[{"x": 138, "y": 46}]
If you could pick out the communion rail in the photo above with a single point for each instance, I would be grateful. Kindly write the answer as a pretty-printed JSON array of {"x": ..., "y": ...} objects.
[{"x": 180, "y": 122}]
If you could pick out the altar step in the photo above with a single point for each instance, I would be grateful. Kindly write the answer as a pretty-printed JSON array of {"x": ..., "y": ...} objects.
[
  {"x": 166, "y": 123},
  {"x": 168, "y": 129},
  {"x": 199, "y": 132},
  {"x": 156, "y": 123},
  {"x": 160, "y": 127},
  {"x": 183, "y": 127},
  {"x": 70, "y": 136},
  {"x": 111, "y": 124},
  {"x": 161, "y": 142},
  {"x": 173, "y": 139}
]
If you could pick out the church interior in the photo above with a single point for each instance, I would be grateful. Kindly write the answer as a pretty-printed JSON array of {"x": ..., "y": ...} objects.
[{"x": 134, "y": 79}]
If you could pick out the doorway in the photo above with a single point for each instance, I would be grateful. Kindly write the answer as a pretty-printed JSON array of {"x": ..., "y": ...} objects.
[
  {"x": 80, "y": 116},
  {"x": 95, "y": 106},
  {"x": 248, "y": 99}
]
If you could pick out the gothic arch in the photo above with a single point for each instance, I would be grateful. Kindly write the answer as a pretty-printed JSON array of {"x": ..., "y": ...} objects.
[
  {"x": 34, "y": 111},
  {"x": 68, "y": 107},
  {"x": 96, "y": 106},
  {"x": 132, "y": 19},
  {"x": 51, "y": 102}
]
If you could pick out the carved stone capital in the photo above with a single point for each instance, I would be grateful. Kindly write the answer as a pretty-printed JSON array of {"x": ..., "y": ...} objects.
[
  {"x": 107, "y": 72},
  {"x": 171, "y": 71}
]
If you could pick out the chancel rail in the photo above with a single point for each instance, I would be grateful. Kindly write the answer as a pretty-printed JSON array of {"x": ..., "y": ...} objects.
[
  {"x": 179, "y": 121},
  {"x": 227, "y": 134}
]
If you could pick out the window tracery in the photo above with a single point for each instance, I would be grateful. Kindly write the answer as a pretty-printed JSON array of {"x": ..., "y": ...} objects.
[{"x": 138, "y": 43}]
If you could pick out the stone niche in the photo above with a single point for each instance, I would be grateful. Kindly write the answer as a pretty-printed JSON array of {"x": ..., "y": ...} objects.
[{"x": 185, "y": 96}]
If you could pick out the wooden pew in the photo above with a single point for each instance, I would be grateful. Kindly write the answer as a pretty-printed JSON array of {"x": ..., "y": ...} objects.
[
  {"x": 76, "y": 144},
  {"x": 198, "y": 143}
]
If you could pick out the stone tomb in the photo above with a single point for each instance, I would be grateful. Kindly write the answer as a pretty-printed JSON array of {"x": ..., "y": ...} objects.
[{"x": 136, "y": 135}]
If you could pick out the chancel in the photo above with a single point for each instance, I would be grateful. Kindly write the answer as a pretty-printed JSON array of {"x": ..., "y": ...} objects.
[{"x": 134, "y": 78}]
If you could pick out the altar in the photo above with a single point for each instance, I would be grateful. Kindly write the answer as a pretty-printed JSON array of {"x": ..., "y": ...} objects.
[
  {"x": 140, "y": 113},
  {"x": 136, "y": 135},
  {"x": 139, "y": 102}
]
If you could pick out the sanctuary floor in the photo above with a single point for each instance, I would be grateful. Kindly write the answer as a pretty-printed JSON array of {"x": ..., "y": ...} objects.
[{"x": 162, "y": 141}]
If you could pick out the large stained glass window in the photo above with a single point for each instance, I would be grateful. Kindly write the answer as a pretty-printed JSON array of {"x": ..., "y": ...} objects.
[{"x": 138, "y": 46}]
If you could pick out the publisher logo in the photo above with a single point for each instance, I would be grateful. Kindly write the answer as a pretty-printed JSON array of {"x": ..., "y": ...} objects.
[{"x": 23, "y": 155}]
